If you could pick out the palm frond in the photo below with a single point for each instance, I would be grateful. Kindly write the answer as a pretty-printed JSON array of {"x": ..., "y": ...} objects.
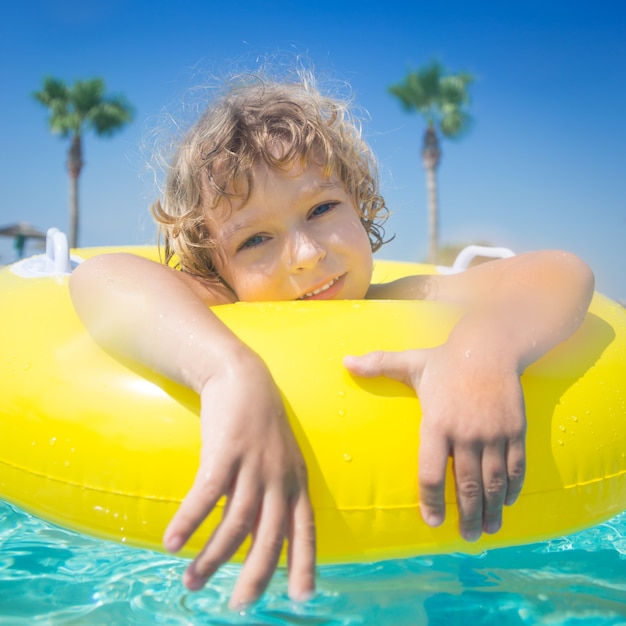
[
  {"x": 404, "y": 94},
  {"x": 110, "y": 115},
  {"x": 429, "y": 79},
  {"x": 84, "y": 105},
  {"x": 62, "y": 123},
  {"x": 441, "y": 98},
  {"x": 54, "y": 93},
  {"x": 455, "y": 124},
  {"x": 85, "y": 95}
]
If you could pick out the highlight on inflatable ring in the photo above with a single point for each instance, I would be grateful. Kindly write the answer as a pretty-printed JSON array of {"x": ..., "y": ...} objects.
[{"x": 98, "y": 446}]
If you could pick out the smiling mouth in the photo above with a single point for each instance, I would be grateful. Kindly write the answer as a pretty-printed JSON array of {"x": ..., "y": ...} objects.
[{"x": 316, "y": 292}]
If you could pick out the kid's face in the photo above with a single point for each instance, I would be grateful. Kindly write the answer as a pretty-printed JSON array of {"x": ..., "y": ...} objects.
[{"x": 297, "y": 237}]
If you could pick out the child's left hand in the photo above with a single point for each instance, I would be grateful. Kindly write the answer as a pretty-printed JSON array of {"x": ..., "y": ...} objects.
[{"x": 472, "y": 410}]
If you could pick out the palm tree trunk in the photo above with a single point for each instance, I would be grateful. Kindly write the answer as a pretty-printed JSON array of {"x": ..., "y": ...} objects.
[
  {"x": 431, "y": 155},
  {"x": 73, "y": 212},
  {"x": 433, "y": 215},
  {"x": 74, "y": 167}
]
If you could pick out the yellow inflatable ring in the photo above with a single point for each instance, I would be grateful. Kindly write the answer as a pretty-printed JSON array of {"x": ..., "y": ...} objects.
[{"x": 94, "y": 446}]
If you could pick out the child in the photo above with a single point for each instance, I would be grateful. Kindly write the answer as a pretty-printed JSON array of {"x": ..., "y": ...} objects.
[{"x": 273, "y": 195}]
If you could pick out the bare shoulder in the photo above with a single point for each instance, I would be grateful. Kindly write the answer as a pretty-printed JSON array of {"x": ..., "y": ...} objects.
[
  {"x": 453, "y": 288},
  {"x": 524, "y": 273},
  {"x": 418, "y": 287},
  {"x": 211, "y": 290},
  {"x": 128, "y": 271}
]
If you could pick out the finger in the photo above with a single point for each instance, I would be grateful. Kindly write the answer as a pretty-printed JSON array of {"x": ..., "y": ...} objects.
[
  {"x": 236, "y": 525},
  {"x": 301, "y": 549},
  {"x": 469, "y": 491},
  {"x": 516, "y": 470},
  {"x": 495, "y": 488},
  {"x": 262, "y": 559},
  {"x": 207, "y": 489},
  {"x": 401, "y": 366},
  {"x": 433, "y": 461}
]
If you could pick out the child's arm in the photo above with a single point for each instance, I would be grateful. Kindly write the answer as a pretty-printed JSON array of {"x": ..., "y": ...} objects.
[
  {"x": 159, "y": 317},
  {"x": 472, "y": 403}
]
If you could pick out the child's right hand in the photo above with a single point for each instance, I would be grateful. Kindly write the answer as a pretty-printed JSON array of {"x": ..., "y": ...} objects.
[
  {"x": 249, "y": 455},
  {"x": 148, "y": 313}
]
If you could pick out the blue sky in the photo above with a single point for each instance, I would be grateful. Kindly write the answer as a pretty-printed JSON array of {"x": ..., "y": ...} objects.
[{"x": 543, "y": 166}]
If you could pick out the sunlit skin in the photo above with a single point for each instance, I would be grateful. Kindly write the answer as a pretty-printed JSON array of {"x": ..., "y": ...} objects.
[{"x": 297, "y": 236}]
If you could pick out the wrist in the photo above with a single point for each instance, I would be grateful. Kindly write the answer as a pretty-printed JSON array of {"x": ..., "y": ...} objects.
[
  {"x": 223, "y": 356},
  {"x": 497, "y": 340}
]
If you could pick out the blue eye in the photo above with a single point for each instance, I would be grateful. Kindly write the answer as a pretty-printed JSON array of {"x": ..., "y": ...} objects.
[
  {"x": 254, "y": 241},
  {"x": 322, "y": 208}
]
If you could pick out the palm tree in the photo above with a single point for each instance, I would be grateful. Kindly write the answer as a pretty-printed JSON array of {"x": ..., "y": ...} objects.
[
  {"x": 73, "y": 111},
  {"x": 442, "y": 99}
]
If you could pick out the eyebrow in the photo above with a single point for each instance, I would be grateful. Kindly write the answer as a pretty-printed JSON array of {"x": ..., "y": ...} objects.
[
  {"x": 233, "y": 229},
  {"x": 331, "y": 184},
  {"x": 311, "y": 192}
]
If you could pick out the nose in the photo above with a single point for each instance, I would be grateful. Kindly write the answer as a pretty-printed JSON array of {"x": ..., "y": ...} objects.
[{"x": 303, "y": 251}]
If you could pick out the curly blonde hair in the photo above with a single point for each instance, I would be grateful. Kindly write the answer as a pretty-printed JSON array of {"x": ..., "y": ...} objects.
[{"x": 242, "y": 128}]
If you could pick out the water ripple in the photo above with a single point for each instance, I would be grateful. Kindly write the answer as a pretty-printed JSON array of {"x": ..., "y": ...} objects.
[{"x": 52, "y": 576}]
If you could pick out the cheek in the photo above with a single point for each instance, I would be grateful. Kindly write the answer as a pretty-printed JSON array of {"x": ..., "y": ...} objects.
[
  {"x": 230, "y": 272},
  {"x": 361, "y": 250},
  {"x": 360, "y": 239},
  {"x": 254, "y": 284}
]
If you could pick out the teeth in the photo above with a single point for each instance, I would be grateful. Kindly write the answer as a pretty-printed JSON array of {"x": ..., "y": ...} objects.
[{"x": 322, "y": 288}]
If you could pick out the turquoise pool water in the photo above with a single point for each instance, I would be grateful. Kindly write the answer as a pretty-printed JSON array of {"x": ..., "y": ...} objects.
[{"x": 49, "y": 575}]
